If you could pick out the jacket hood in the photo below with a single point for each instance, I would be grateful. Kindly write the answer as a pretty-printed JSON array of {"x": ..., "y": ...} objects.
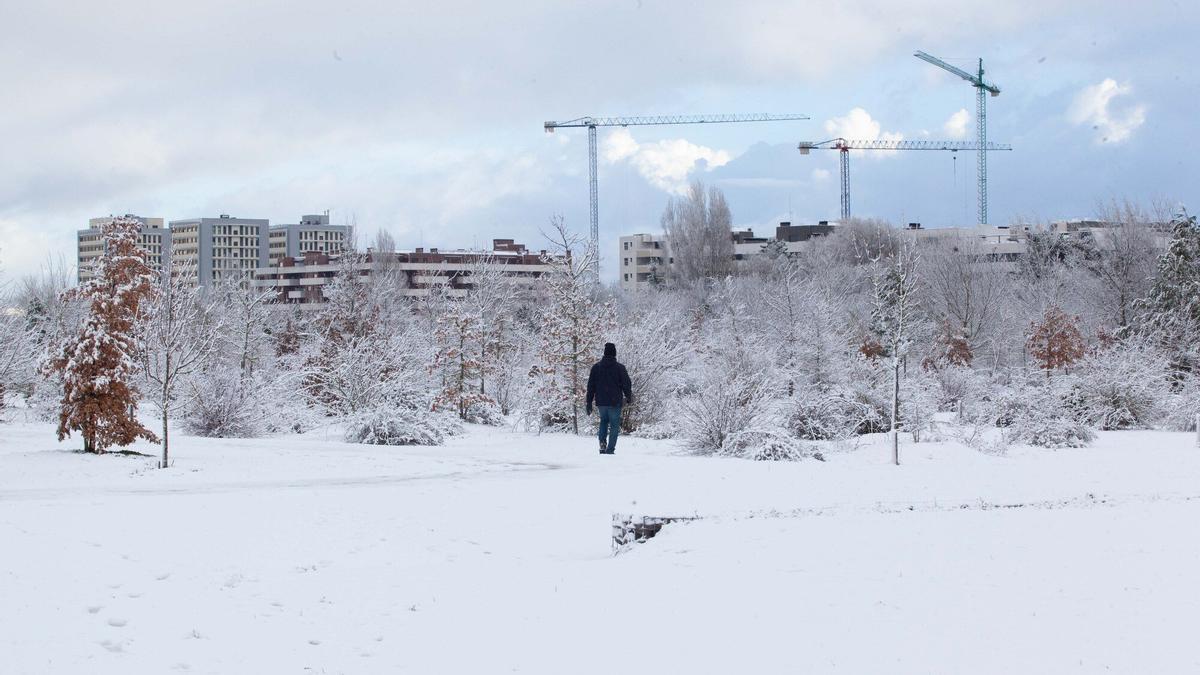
[{"x": 610, "y": 350}]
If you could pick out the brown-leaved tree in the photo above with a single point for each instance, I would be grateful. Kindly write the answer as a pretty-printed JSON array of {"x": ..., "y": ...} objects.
[{"x": 97, "y": 364}]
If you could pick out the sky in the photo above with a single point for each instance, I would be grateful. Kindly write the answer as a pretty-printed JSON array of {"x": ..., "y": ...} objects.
[{"x": 425, "y": 119}]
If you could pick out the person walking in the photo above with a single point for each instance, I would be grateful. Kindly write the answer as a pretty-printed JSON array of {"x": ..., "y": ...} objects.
[{"x": 607, "y": 384}]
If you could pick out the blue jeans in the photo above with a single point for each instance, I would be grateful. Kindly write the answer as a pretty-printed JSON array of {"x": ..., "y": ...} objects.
[{"x": 610, "y": 425}]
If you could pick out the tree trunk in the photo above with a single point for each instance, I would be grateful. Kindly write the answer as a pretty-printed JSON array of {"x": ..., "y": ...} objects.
[
  {"x": 575, "y": 383},
  {"x": 895, "y": 411},
  {"x": 164, "y": 437}
]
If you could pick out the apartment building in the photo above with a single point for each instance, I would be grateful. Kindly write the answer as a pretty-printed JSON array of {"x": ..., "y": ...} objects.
[
  {"x": 644, "y": 260},
  {"x": 301, "y": 280},
  {"x": 153, "y": 238},
  {"x": 214, "y": 249},
  {"x": 313, "y": 234}
]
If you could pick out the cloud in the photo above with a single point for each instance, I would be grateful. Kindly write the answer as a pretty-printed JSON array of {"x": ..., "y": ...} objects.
[
  {"x": 1093, "y": 106},
  {"x": 665, "y": 164},
  {"x": 820, "y": 174},
  {"x": 858, "y": 125},
  {"x": 956, "y": 125}
]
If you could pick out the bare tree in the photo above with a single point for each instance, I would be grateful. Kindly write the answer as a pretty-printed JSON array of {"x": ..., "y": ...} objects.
[
  {"x": 699, "y": 230},
  {"x": 573, "y": 327},
  {"x": 1123, "y": 265},
  {"x": 894, "y": 282},
  {"x": 962, "y": 289},
  {"x": 179, "y": 334}
]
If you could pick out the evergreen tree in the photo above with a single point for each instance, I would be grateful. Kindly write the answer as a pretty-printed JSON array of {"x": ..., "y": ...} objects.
[
  {"x": 97, "y": 364},
  {"x": 1172, "y": 306}
]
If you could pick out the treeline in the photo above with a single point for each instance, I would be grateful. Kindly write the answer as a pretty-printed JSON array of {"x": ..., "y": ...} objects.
[{"x": 867, "y": 330}]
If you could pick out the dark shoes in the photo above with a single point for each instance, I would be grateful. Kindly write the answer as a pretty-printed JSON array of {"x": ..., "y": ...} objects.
[{"x": 604, "y": 449}]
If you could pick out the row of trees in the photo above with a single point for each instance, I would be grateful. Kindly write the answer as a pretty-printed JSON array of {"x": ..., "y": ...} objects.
[{"x": 865, "y": 331}]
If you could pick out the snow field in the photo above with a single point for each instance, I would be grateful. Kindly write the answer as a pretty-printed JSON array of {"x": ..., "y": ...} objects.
[{"x": 306, "y": 554}]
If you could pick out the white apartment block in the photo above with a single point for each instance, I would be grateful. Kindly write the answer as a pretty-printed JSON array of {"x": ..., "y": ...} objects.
[
  {"x": 313, "y": 234},
  {"x": 644, "y": 259},
  {"x": 153, "y": 238},
  {"x": 217, "y": 249}
]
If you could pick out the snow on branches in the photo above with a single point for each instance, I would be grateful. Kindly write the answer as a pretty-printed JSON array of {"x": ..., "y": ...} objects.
[
  {"x": 574, "y": 323},
  {"x": 98, "y": 364}
]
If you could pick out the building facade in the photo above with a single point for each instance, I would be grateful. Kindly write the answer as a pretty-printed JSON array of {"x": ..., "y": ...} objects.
[
  {"x": 313, "y": 234},
  {"x": 301, "y": 280},
  {"x": 153, "y": 238},
  {"x": 211, "y": 250},
  {"x": 644, "y": 260}
]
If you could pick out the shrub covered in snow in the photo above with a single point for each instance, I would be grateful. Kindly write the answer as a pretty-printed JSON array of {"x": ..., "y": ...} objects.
[
  {"x": 1042, "y": 413},
  {"x": 769, "y": 445},
  {"x": 1122, "y": 386},
  {"x": 1182, "y": 404},
  {"x": 725, "y": 404},
  {"x": 401, "y": 426},
  {"x": 836, "y": 413},
  {"x": 483, "y": 412}
]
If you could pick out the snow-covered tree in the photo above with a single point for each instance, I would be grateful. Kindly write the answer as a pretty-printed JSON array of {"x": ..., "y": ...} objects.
[
  {"x": 477, "y": 344},
  {"x": 1123, "y": 385},
  {"x": 179, "y": 335},
  {"x": 1172, "y": 306},
  {"x": 962, "y": 291},
  {"x": 649, "y": 339},
  {"x": 459, "y": 359},
  {"x": 893, "y": 318},
  {"x": 574, "y": 325},
  {"x": 50, "y": 316},
  {"x": 98, "y": 364},
  {"x": 1123, "y": 265},
  {"x": 18, "y": 348}
]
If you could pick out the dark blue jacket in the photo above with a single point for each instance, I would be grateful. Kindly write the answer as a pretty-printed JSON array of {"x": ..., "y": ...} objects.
[{"x": 607, "y": 381}]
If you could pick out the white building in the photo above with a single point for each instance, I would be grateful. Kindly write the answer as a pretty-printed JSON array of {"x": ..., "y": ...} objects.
[
  {"x": 153, "y": 238},
  {"x": 313, "y": 234},
  {"x": 644, "y": 259}
]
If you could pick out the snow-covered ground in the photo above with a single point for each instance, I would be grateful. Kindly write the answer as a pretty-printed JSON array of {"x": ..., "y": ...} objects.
[{"x": 492, "y": 554}]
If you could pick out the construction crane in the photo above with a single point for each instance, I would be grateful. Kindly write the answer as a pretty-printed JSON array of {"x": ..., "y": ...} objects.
[
  {"x": 844, "y": 147},
  {"x": 981, "y": 89},
  {"x": 593, "y": 122}
]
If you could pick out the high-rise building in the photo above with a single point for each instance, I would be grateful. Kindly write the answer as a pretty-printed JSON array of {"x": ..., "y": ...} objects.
[
  {"x": 217, "y": 249},
  {"x": 313, "y": 234},
  {"x": 153, "y": 238}
]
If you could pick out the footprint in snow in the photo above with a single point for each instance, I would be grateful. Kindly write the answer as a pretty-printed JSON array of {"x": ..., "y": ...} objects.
[
  {"x": 94, "y": 609},
  {"x": 314, "y": 642},
  {"x": 112, "y": 646},
  {"x": 162, "y": 577},
  {"x": 117, "y": 623}
]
